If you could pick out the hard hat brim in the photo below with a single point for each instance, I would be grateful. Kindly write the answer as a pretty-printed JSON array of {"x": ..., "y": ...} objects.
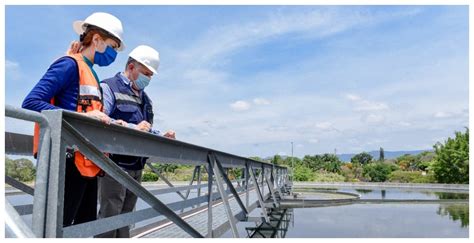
[
  {"x": 78, "y": 27},
  {"x": 154, "y": 71}
]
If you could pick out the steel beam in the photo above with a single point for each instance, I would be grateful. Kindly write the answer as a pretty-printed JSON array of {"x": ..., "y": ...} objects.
[
  {"x": 15, "y": 224},
  {"x": 42, "y": 165},
  {"x": 272, "y": 192},
  {"x": 259, "y": 194},
  {"x": 218, "y": 171},
  {"x": 229, "y": 185},
  {"x": 210, "y": 176},
  {"x": 122, "y": 140},
  {"x": 189, "y": 190},
  {"x": 19, "y": 185},
  {"x": 90, "y": 151},
  {"x": 164, "y": 179}
]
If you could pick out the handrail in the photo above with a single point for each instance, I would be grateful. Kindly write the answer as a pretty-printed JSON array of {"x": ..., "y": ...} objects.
[
  {"x": 42, "y": 167},
  {"x": 93, "y": 138},
  {"x": 15, "y": 224},
  {"x": 124, "y": 140}
]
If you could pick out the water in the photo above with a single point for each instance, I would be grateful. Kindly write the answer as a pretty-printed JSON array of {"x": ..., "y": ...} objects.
[
  {"x": 357, "y": 220},
  {"x": 381, "y": 220}
]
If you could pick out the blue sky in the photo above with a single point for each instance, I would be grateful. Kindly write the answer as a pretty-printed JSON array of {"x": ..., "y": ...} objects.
[{"x": 250, "y": 79}]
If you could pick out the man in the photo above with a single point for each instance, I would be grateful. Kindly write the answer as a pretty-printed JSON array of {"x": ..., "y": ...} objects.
[{"x": 126, "y": 100}]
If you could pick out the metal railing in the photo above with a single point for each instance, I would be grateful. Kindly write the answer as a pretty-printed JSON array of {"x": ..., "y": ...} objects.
[{"x": 94, "y": 138}]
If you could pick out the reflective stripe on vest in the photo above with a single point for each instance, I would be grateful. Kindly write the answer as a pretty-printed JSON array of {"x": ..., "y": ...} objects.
[
  {"x": 127, "y": 98},
  {"x": 89, "y": 90},
  {"x": 89, "y": 99}
]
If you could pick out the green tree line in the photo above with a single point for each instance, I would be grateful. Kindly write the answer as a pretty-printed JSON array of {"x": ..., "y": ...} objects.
[{"x": 448, "y": 163}]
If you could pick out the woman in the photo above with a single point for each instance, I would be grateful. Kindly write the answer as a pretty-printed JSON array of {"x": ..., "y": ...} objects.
[{"x": 72, "y": 84}]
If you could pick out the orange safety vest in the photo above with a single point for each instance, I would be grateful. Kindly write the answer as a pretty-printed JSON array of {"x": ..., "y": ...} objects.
[{"x": 90, "y": 98}]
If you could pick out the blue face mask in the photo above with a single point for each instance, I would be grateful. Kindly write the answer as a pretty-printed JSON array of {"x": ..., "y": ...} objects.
[
  {"x": 142, "y": 81},
  {"x": 105, "y": 58}
]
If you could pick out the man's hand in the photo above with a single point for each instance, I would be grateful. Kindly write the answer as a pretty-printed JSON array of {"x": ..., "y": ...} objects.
[
  {"x": 121, "y": 122},
  {"x": 170, "y": 134},
  {"x": 74, "y": 48},
  {"x": 98, "y": 115},
  {"x": 143, "y": 126}
]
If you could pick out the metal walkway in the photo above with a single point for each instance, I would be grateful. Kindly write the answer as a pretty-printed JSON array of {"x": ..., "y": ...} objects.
[
  {"x": 225, "y": 203},
  {"x": 199, "y": 219}
]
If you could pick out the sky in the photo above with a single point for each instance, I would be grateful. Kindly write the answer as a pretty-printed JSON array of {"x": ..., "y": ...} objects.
[{"x": 250, "y": 80}]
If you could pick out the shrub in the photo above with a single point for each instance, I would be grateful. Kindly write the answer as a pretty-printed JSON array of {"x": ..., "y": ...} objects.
[
  {"x": 378, "y": 172},
  {"x": 303, "y": 173},
  {"x": 149, "y": 176},
  {"x": 328, "y": 177},
  {"x": 20, "y": 169},
  {"x": 410, "y": 177}
]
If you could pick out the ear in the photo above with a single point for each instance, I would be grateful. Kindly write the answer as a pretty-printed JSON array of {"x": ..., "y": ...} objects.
[
  {"x": 130, "y": 66},
  {"x": 96, "y": 38}
]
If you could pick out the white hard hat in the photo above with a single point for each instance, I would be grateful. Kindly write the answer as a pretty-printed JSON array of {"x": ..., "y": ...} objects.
[
  {"x": 104, "y": 21},
  {"x": 147, "y": 56}
]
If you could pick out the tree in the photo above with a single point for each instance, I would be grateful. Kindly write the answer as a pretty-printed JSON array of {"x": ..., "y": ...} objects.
[
  {"x": 315, "y": 163},
  {"x": 381, "y": 155},
  {"x": 327, "y": 162},
  {"x": 362, "y": 158},
  {"x": 378, "y": 172},
  {"x": 20, "y": 169},
  {"x": 451, "y": 163},
  {"x": 277, "y": 160},
  {"x": 408, "y": 162},
  {"x": 331, "y": 163},
  {"x": 256, "y": 158}
]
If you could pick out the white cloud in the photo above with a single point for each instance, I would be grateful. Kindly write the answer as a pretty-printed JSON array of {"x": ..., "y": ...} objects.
[
  {"x": 361, "y": 104},
  {"x": 240, "y": 105},
  {"x": 323, "y": 125},
  {"x": 441, "y": 114},
  {"x": 353, "y": 97},
  {"x": 12, "y": 70},
  {"x": 365, "y": 105},
  {"x": 313, "y": 140},
  {"x": 261, "y": 101},
  {"x": 374, "y": 118},
  {"x": 452, "y": 114},
  {"x": 11, "y": 64},
  {"x": 282, "y": 153},
  {"x": 405, "y": 124}
]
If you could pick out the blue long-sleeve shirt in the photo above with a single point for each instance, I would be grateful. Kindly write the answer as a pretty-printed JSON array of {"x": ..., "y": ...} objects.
[{"x": 61, "y": 81}]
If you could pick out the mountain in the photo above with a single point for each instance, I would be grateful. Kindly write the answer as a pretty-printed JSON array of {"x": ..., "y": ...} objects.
[{"x": 387, "y": 154}]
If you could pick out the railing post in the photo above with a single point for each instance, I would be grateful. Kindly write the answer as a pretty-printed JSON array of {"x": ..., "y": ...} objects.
[
  {"x": 210, "y": 176},
  {"x": 219, "y": 172},
  {"x": 247, "y": 189},
  {"x": 189, "y": 190},
  {"x": 263, "y": 180},
  {"x": 259, "y": 193},
  {"x": 42, "y": 166},
  {"x": 57, "y": 167},
  {"x": 199, "y": 183}
]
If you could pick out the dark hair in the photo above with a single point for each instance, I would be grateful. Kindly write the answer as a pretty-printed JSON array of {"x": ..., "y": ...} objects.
[
  {"x": 86, "y": 37},
  {"x": 131, "y": 60}
]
